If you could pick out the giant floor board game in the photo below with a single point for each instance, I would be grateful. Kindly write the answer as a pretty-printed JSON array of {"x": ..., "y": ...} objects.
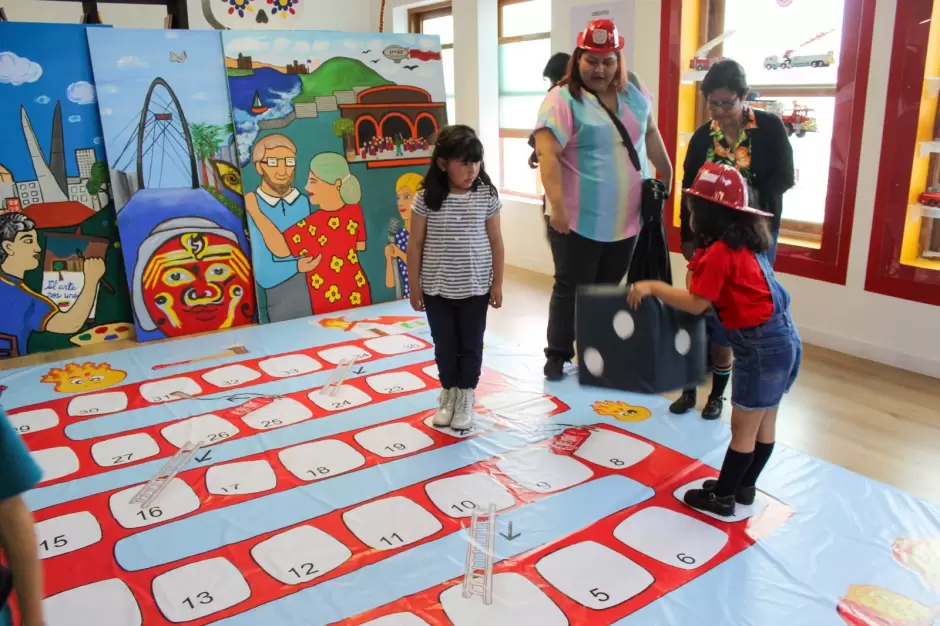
[{"x": 312, "y": 489}]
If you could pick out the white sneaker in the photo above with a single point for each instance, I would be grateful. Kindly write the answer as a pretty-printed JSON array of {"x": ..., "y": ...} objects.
[
  {"x": 445, "y": 408},
  {"x": 463, "y": 412}
]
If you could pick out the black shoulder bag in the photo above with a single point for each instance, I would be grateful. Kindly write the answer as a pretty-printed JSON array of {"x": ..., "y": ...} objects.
[{"x": 6, "y": 585}]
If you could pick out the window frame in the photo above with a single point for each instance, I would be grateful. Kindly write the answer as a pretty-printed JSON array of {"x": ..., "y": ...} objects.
[
  {"x": 886, "y": 274},
  {"x": 416, "y": 18},
  {"x": 828, "y": 259},
  {"x": 515, "y": 133}
]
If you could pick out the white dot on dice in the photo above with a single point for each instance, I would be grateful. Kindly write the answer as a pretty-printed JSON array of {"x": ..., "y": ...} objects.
[
  {"x": 594, "y": 362},
  {"x": 594, "y": 575},
  {"x": 623, "y": 324},
  {"x": 105, "y": 603},
  {"x": 391, "y": 523},
  {"x": 516, "y": 601},
  {"x": 672, "y": 538},
  {"x": 683, "y": 342},
  {"x": 300, "y": 555},
  {"x": 199, "y": 589}
]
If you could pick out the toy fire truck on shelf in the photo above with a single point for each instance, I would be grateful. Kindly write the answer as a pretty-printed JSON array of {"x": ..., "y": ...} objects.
[
  {"x": 790, "y": 59},
  {"x": 797, "y": 120},
  {"x": 931, "y": 197},
  {"x": 701, "y": 61}
]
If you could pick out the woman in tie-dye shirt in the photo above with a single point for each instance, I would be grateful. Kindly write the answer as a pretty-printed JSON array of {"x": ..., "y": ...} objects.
[{"x": 593, "y": 190}]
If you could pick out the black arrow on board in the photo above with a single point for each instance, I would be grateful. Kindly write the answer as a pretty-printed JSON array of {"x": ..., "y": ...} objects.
[
  {"x": 204, "y": 457},
  {"x": 510, "y": 536},
  {"x": 361, "y": 370}
]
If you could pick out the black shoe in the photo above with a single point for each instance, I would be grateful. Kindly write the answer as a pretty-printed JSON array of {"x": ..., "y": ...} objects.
[
  {"x": 684, "y": 404},
  {"x": 554, "y": 368},
  {"x": 713, "y": 407},
  {"x": 743, "y": 495},
  {"x": 706, "y": 500}
]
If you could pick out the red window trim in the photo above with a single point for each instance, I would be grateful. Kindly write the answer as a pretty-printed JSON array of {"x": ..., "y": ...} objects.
[
  {"x": 886, "y": 275},
  {"x": 830, "y": 262}
]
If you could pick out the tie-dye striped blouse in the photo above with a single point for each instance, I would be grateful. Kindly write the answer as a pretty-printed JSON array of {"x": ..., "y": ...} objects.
[{"x": 602, "y": 189}]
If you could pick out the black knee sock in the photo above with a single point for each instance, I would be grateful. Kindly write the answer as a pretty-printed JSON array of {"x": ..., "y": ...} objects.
[
  {"x": 762, "y": 452},
  {"x": 734, "y": 467},
  {"x": 720, "y": 378}
]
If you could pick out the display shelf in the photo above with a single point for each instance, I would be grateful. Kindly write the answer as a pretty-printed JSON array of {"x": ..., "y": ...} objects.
[
  {"x": 922, "y": 210},
  {"x": 929, "y": 147},
  {"x": 932, "y": 86},
  {"x": 690, "y": 77}
]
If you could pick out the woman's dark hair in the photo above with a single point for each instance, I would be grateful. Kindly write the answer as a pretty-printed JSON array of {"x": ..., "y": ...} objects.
[
  {"x": 713, "y": 222},
  {"x": 453, "y": 142},
  {"x": 557, "y": 67},
  {"x": 573, "y": 78},
  {"x": 728, "y": 75}
]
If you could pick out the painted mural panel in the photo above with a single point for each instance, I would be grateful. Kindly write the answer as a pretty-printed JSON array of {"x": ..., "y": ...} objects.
[
  {"x": 168, "y": 130},
  {"x": 62, "y": 282},
  {"x": 334, "y": 133}
]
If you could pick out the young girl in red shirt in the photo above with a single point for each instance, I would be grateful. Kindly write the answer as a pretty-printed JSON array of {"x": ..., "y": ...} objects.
[{"x": 733, "y": 275}]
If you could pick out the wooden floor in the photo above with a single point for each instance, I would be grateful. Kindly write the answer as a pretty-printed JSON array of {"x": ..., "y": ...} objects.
[{"x": 878, "y": 421}]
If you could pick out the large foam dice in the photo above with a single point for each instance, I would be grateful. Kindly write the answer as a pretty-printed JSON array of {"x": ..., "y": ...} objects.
[{"x": 652, "y": 349}]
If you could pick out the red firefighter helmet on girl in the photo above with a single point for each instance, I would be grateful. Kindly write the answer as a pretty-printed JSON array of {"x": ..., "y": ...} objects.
[
  {"x": 724, "y": 185},
  {"x": 600, "y": 36}
]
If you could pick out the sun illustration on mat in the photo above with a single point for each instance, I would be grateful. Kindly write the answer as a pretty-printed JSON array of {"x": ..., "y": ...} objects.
[
  {"x": 75, "y": 378},
  {"x": 621, "y": 410}
]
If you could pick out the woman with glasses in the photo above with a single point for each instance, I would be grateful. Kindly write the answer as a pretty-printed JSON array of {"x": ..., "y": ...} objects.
[{"x": 755, "y": 143}]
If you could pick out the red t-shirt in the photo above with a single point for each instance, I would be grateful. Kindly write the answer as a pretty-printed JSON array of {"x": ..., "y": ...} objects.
[{"x": 735, "y": 284}]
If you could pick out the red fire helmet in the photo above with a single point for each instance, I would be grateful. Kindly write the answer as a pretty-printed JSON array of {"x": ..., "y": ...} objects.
[
  {"x": 600, "y": 36},
  {"x": 724, "y": 185}
]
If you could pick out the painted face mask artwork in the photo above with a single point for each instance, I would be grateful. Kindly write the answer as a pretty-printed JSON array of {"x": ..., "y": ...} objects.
[{"x": 195, "y": 280}]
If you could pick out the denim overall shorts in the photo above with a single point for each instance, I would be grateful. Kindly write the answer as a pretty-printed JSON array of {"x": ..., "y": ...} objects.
[{"x": 766, "y": 357}]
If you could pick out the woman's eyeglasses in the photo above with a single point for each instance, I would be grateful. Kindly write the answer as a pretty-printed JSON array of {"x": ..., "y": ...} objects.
[{"x": 724, "y": 105}]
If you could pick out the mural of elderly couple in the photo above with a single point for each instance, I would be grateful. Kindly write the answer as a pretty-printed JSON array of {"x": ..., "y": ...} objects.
[{"x": 189, "y": 144}]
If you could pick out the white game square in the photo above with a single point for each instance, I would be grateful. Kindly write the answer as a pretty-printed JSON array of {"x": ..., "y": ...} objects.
[
  {"x": 281, "y": 412},
  {"x": 34, "y": 421},
  {"x": 166, "y": 390},
  {"x": 395, "y": 382},
  {"x": 321, "y": 459},
  {"x": 341, "y": 353},
  {"x": 346, "y": 397},
  {"x": 177, "y": 499},
  {"x": 431, "y": 371},
  {"x": 238, "y": 479},
  {"x": 395, "y": 344},
  {"x": 56, "y": 462},
  {"x": 395, "y": 439},
  {"x": 199, "y": 589},
  {"x": 209, "y": 429},
  {"x": 457, "y": 496},
  {"x": 300, "y": 555},
  {"x": 671, "y": 538},
  {"x": 481, "y": 423},
  {"x": 391, "y": 523},
  {"x": 613, "y": 450},
  {"x": 98, "y": 404},
  {"x": 593, "y": 575},
  {"x": 741, "y": 511},
  {"x": 543, "y": 471},
  {"x": 124, "y": 449},
  {"x": 105, "y": 603},
  {"x": 290, "y": 365},
  {"x": 231, "y": 376},
  {"x": 518, "y": 405},
  {"x": 397, "y": 619},
  {"x": 67, "y": 533},
  {"x": 516, "y": 601}
]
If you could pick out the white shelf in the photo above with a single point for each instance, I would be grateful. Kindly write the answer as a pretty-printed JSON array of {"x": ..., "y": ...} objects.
[
  {"x": 685, "y": 136},
  {"x": 929, "y": 147},
  {"x": 693, "y": 77},
  {"x": 926, "y": 211},
  {"x": 932, "y": 86}
]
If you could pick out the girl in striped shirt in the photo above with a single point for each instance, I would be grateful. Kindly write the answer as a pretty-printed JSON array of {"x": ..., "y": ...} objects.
[{"x": 455, "y": 266}]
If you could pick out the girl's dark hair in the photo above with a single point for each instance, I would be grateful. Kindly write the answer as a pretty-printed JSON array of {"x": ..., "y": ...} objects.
[
  {"x": 453, "y": 142},
  {"x": 728, "y": 75},
  {"x": 557, "y": 67},
  {"x": 573, "y": 78},
  {"x": 713, "y": 222}
]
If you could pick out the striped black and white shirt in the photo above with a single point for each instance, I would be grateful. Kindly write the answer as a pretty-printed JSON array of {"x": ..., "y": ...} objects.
[{"x": 458, "y": 261}]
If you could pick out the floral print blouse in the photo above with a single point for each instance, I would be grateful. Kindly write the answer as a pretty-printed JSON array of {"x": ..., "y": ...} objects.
[{"x": 720, "y": 150}]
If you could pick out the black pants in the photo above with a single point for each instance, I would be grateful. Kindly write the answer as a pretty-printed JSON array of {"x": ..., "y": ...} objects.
[
  {"x": 457, "y": 327},
  {"x": 579, "y": 261}
]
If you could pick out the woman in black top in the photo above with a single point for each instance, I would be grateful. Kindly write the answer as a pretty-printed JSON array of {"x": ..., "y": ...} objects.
[
  {"x": 754, "y": 142},
  {"x": 555, "y": 70}
]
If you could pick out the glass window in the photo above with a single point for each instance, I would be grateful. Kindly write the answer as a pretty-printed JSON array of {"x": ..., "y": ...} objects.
[
  {"x": 519, "y": 112},
  {"x": 440, "y": 22},
  {"x": 521, "y": 64},
  {"x": 526, "y": 18},
  {"x": 517, "y": 175},
  {"x": 442, "y": 26}
]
